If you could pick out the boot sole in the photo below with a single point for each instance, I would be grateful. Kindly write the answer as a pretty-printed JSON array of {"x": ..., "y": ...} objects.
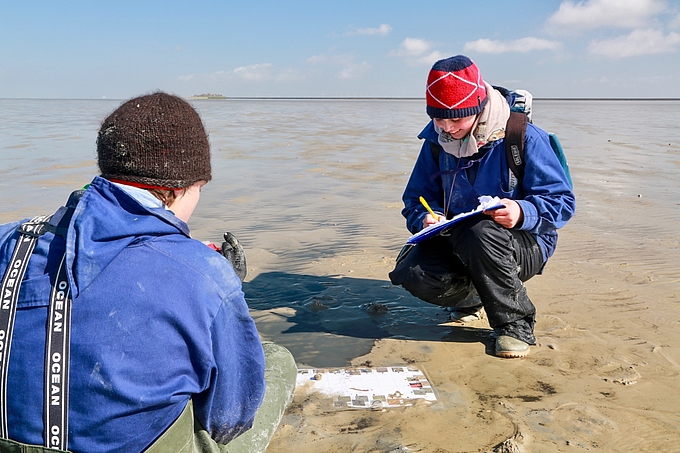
[{"x": 512, "y": 354}]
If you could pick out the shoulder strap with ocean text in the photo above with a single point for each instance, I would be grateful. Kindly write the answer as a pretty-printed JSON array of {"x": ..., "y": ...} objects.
[{"x": 57, "y": 342}]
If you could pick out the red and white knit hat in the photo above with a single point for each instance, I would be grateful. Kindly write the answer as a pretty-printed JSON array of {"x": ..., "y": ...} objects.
[{"x": 455, "y": 88}]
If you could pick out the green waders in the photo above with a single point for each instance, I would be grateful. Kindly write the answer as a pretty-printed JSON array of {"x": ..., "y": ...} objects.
[{"x": 187, "y": 435}]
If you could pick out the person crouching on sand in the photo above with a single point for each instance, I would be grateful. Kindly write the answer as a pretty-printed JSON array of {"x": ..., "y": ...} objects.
[
  {"x": 158, "y": 351},
  {"x": 482, "y": 261}
]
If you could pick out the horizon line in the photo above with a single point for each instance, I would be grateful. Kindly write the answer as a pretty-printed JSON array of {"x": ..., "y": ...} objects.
[
  {"x": 407, "y": 98},
  {"x": 330, "y": 98}
]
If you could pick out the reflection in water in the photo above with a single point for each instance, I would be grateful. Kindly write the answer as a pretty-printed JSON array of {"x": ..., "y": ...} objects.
[{"x": 357, "y": 309}]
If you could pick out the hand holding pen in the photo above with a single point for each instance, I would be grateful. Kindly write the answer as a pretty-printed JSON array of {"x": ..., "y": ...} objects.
[{"x": 431, "y": 218}]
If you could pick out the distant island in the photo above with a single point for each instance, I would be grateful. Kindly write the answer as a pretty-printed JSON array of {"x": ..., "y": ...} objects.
[{"x": 208, "y": 96}]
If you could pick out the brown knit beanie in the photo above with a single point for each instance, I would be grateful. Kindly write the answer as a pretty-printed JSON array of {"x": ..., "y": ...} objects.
[{"x": 157, "y": 141}]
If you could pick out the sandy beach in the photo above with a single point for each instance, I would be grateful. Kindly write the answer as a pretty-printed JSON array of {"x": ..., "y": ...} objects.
[
  {"x": 602, "y": 378},
  {"x": 604, "y": 375},
  {"x": 315, "y": 201}
]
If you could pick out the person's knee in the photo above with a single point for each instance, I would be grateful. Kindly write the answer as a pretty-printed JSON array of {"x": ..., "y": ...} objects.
[
  {"x": 419, "y": 283},
  {"x": 445, "y": 290},
  {"x": 279, "y": 364},
  {"x": 483, "y": 238}
]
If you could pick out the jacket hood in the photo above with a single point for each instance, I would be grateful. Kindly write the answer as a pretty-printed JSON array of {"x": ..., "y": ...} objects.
[
  {"x": 429, "y": 133},
  {"x": 106, "y": 221}
]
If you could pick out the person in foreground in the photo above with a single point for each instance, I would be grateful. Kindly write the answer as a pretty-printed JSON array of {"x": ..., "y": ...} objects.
[
  {"x": 149, "y": 345},
  {"x": 482, "y": 261}
]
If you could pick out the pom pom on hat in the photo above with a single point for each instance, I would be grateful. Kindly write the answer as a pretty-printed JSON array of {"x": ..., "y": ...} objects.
[
  {"x": 455, "y": 88},
  {"x": 157, "y": 140}
]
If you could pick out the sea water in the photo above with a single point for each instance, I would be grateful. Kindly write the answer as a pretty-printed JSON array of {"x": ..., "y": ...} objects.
[{"x": 312, "y": 190}]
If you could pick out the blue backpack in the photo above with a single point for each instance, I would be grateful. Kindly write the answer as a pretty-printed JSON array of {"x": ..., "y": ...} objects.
[{"x": 515, "y": 130}]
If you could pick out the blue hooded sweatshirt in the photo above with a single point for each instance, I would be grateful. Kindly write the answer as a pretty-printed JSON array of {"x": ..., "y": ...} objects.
[
  {"x": 544, "y": 194},
  {"x": 157, "y": 318}
]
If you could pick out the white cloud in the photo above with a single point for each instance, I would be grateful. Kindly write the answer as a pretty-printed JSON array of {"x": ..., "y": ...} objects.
[
  {"x": 349, "y": 68},
  {"x": 353, "y": 70},
  {"x": 251, "y": 73},
  {"x": 382, "y": 30},
  {"x": 290, "y": 75},
  {"x": 318, "y": 59},
  {"x": 638, "y": 42},
  {"x": 260, "y": 71},
  {"x": 523, "y": 45},
  {"x": 591, "y": 14},
  {"x": 416, "y": 51},
  {"x": 675, "y": 22},
  {"x": 413, "y": 47}
]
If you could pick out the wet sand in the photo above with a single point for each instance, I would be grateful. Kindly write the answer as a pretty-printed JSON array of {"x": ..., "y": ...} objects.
[
  {"x": 604, "y": 375},
  {"x": 315, "y": 200}
]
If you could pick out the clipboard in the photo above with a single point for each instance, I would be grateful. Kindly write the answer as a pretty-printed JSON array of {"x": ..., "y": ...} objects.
[{"x": 489, "y": 204}]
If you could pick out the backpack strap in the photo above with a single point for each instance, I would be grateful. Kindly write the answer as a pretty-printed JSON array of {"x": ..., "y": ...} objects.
[
  {"x": 436, "y": 149},
  {"x": 57, "y": 338},
  {"x": 57, "y": 362},
  {"x": 11, "y": 284},
  {"x": 58, "y": 335},
  {"x": 515, "y": 131}
]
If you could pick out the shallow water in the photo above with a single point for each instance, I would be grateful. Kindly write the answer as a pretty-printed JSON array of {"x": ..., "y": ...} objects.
[{"x": 312, "y": 189}]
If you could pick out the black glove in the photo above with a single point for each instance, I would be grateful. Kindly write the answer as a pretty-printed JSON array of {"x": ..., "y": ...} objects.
[{"x": 233, "y": 251}]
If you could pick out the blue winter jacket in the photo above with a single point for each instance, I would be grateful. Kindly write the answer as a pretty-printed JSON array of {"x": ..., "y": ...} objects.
[
  {"x": 158, "y": 318},
  {"x": 544, "y": 194}
]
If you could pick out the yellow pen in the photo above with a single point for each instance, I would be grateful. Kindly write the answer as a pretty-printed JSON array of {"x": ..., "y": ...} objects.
[{"x": 429, "y": 209}]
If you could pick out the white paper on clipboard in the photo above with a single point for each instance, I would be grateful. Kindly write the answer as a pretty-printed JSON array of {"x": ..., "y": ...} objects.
[{"x": 486, "y": 203}]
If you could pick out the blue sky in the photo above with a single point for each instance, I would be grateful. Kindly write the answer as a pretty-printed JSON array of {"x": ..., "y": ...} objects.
[{"x": 358, "y": 48}]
